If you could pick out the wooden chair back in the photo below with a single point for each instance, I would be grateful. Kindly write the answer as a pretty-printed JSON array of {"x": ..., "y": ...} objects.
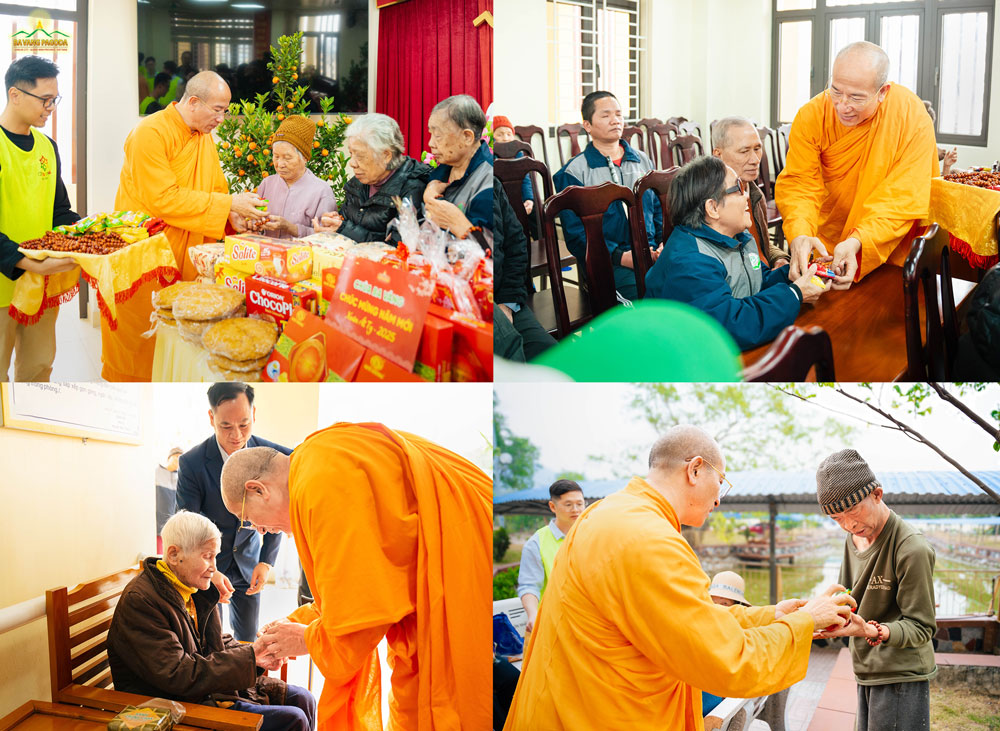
[
  {"x": 660, "y": 136},
  {"x": 658, "y": 181},
  {"x": 527, "y": 132},
  {"x": 683, "y": 149},
  {"x": 509, "y": 150},
  {"x": 764, "y": 176},
  {"x": 633, "y": 136},
  {"x": 511, "y": 173},
  {"x": 590, "y": 205},
  {"x": 793, "y": 354},
  {"x": 572, "y": 132},
  {"x": 931, "y": 347}
]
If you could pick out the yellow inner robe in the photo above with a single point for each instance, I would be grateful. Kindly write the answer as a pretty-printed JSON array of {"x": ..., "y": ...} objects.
[
  {"x": 174, "y": 174},
  {"x": 393, "y": 533},
  {"x": 627, "y": 636},
  {"x": 872, "y": 181}
]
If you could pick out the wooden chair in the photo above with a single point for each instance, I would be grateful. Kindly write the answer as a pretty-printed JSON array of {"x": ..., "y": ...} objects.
[
  {"x": 792, "y": 355},
  {"x": 526, "y": 133},
  {"x": 572, "y": 132},
  {"x": 771, "y": 143},
  {"x": 509, "y": 150},
  {"x": 931, "y": 349},
  {"x": 782, "y": 134},
  {"x": 683, "y": 149},
  {"x": 511, "y": 174},
  {"x": 674, "y": 123},
  {"x": 590, "y": 204},
  {"x": 645, "y": 125},
  {"x": 659, "y": 181},
  {"x": 633, "y": 136},
  {"x": 660, "y": 136},
  {"x": 80, "y": 675}
]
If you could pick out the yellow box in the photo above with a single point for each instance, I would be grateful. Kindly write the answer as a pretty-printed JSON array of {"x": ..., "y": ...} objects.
[{"x": 289, "y": 261}]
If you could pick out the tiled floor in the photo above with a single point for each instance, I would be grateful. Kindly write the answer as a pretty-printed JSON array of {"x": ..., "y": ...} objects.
[
  {"x": 804, "y": 696},
  {"x": 839, "y": 703}
]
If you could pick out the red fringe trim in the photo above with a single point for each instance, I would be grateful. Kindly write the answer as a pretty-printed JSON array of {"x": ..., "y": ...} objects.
[
  {"x": 54, "y": 301},
  {"x": 979, "y": 261}
]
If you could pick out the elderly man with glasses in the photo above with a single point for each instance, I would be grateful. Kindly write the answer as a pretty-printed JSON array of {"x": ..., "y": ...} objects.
[
  {"x": 712, "y": 263},
  {"x": 172, "y": 170},
  {"x": 245, "y": 559},
  {"x": 33, "y": 199},
  {"x": 628, "y": 636},
  {"x": 858, "y": 175}
]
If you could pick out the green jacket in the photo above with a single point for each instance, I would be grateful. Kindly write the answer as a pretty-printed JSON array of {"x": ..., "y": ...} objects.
[{"x": 892, "y": 581}]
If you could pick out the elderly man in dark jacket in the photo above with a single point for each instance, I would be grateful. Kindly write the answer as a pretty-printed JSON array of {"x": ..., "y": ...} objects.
[
  {"x": 517, "y": 334},
  {"x": 381, "y": 172},
  {"x": 166, "y": 637}
]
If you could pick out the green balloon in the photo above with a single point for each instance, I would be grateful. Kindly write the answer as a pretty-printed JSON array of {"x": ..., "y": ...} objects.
[{"x": 653, "y": 341}]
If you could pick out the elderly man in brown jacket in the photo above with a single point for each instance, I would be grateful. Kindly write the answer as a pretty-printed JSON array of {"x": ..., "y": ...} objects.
[
  {"x": 735, "y": 141},
  {"x": 166, "y": 637}
]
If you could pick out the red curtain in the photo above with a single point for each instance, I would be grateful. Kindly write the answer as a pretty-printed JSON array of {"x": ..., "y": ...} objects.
[{"x": 427, "y": 51}]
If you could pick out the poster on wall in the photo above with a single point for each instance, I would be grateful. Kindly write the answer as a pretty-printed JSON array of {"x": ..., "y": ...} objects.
[{"x": 104, "y": 411}]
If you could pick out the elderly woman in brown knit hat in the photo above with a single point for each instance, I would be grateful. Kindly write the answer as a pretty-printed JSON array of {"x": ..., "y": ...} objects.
[{"x": 295, "y": 196}]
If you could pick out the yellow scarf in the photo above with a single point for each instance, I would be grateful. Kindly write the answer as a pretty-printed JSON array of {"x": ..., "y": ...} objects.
[{"x": 183, "y": 589}]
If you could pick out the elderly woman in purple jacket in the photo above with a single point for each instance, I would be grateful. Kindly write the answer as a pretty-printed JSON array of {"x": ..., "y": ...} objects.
[{"x": 295, "y": 196}]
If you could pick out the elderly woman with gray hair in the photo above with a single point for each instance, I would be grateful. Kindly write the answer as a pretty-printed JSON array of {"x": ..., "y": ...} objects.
[
  {"x": 166, "y": 637},
  {"x": 382, "y": 171}
]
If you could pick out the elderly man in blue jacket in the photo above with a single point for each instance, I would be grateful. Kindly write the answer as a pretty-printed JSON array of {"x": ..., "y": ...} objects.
[
  {"x": 244, "y": 558},
  {"x": 712, "y": 263},
  {"x": 609, "y": 159}
]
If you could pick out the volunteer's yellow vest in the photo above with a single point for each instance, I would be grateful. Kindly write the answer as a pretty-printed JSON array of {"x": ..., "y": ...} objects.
[
  {"x": 27, "y": 194},
  {"x": 171, "y": 92},
  {"x": 144, "y": 105},
  {"x": 548, "y": 545}
]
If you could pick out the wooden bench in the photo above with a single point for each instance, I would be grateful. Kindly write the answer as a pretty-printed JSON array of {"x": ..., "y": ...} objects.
[{"x": 78, "y": 622}]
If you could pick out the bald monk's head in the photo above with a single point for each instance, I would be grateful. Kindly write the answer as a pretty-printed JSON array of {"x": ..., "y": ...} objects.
[
  {"x": 686, "y": 465},
  {"x": 205, "y": 101},
  {"x": 254, "y": 487},
  {"x": 859, "y": 82}
]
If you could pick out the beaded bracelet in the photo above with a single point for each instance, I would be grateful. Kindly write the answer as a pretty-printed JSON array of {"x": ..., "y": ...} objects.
[{"x": 878, "y": 627}]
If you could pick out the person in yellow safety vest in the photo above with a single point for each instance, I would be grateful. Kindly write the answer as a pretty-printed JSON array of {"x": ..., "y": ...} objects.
[
  {"x": 151, "y": 104},
  {"x": 170, "y": 69},
  {"x": 33, "y": 199},
  {"x": 566, "y": 502},
  {"x": 149, "y": 70}
]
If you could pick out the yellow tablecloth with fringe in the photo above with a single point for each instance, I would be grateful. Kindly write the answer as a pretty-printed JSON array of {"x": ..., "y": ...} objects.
[{"x": 969, "y": 215}]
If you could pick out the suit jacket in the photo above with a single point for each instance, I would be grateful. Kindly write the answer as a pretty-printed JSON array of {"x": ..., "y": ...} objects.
[{"x": 198, "y": 491}]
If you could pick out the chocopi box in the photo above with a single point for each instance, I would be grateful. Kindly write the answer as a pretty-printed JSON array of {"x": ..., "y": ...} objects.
[
  {"x": 276, "y": 299},
  {"x": 290, "y": 261}
]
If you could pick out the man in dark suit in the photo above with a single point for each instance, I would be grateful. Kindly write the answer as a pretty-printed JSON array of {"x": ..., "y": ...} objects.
[{"x": 245, "y": 558}]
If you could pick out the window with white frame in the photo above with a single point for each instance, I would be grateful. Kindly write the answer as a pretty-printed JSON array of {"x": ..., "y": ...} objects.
[
  {"x": 593, "y": 45},
  {"x": 320, "y": 35},
  {"x": 939, "y": 49},
  {"x": 212, "y": 41}
]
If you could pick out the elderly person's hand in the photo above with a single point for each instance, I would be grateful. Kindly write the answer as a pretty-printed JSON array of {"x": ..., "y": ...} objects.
[
  {"x": 434, "y": 190},
  {"x": 281, "y": 224},
  {"x": 328, "y": 222},
  {"x": 285, "y": 639},
  {"x": 448, "y": 216}
]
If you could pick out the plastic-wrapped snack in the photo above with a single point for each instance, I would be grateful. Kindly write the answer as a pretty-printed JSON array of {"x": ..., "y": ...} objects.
[
  {"x": 406, "y": 222},
  {"x": 132, "y": 718},
  {"x": 205, "y": 257}
]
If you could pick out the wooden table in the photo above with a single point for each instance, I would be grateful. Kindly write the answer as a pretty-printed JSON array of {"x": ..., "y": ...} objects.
[
  {"x": 42, "y": 716},
  {"x": 865, "y": 324}
]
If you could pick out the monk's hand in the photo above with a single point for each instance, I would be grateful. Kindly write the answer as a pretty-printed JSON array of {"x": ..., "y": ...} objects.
[
  {"x": 809, "y": 285},
  {"x": 285, "y": 639},
  {"x": 830, "y": 609},
  {"x": 278, "y": 223},
  {"x": 258, "y": 578},
  {"x": 787, "y": 607},
  {"x": 224, "y": 585},
  {"x": 802, "y": 248},
  {"x": 48, "y": 265},
  {"x": 448, "y": 216},
  {"x": 245, "y": 204},
  {"x": 856, "y": 627},
  {"x": 845, "y": 262},
  {"x": 263, "y": 657}
]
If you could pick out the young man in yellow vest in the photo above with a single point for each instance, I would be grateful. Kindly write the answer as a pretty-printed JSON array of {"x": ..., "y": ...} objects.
[
  {"x": 151, "y": 104},
  {"x": 33, "y": 199},
  {"x": 566, "y": 502}
]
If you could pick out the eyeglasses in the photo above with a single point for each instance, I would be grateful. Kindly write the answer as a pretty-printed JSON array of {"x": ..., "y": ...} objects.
[
  {"x": 243, "y": 512},
  {"x": 720, "y": 473},
  {"x": 740, "y": 188},
  {"x": 48, "y": 102},
  {"x": 859, "y": 101}
]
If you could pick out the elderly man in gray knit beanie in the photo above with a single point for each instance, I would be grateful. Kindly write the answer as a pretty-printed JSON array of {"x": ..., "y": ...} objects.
[{"x": 888, "y": 566}]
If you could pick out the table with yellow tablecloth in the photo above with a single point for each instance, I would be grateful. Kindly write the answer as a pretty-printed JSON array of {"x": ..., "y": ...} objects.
[
  {"x": 970, "y": 216},
  {"x": 115, "y": 277}
]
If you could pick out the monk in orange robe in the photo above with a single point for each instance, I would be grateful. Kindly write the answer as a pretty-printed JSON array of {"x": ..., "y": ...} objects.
[
  {"x": 861, "y": 156},
  {"x": 172, "y": 171},
  {"x": 627, "y": 636},
  {"x": 393, "y": 533}
]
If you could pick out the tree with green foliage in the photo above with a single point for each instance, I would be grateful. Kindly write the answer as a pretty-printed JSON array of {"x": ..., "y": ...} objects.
[
  {"x": 754, "y": 425},
  {"x": 919, "y": 400},
  {"x": 501, "y": 542},
  {"x": 515, "y": 458},
  {"x": 505, "y": 585}
]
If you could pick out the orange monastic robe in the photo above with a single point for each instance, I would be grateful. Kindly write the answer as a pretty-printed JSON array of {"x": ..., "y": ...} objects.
[
  {"x": 872, "y": 181},
  {"x": 393, "y": 533},
  {"x": 175, "y": 174},
  {"x": 627, "y": 636}
]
